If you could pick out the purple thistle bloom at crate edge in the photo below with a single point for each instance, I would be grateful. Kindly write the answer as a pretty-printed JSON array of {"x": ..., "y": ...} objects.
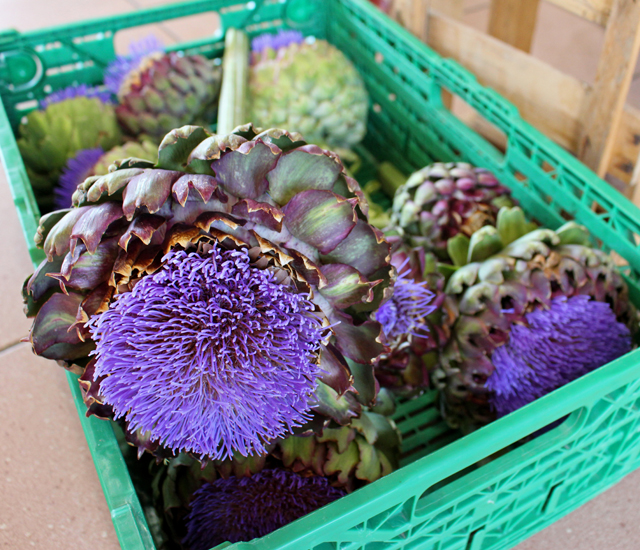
[
  {"x": 405, "y": 312},
  {"x": 275, "y": 41},
  {"x": 241, "y": 509},
  {"x": 119, "y": 69},
  {"x": 71, "y": 92},
  {"x": 570, "y": 339},
  {"x": 78, "y": 169},
  {"x": 209, "y": 354}
]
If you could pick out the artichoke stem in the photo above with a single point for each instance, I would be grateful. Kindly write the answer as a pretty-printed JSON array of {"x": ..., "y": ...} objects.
[
  {"x": 235, "y": 70},
  {"x": 390, "y": 178}
]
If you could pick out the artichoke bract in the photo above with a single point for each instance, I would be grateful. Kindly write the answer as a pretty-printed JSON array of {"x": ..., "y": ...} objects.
[
  {"x": 210, "y": 300},
  {"x": 531, "y": 311},
  {"x": 308, "y": 85},
  {"x": 95, "y": 162},
  {"x": 300, "y": 473},
  {"x": 446, "y": 199},
  {"x": 158, "y": 91},
  {"x": 67, "y": 121}
]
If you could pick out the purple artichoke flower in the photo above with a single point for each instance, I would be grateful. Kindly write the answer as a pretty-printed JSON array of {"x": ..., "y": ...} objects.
[
  {"x": 562, "y": 343},
  {"x": 78, "y": 168},
  {"x": 210, "y": 354},
  {"x": 241, "y": 509},
  {"x": 404, "y": 314},
  {"x": 118, "y": 70},
  {"x": 276, "y": 41},
  {"x": 76, "y": 91}
]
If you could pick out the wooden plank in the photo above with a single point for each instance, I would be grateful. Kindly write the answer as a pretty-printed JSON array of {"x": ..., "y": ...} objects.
[
  {"x": 412, "y": 15},
  {"x": 627, "y": 145},
  {"x": 597, "y": 11},
  {"x": 546, "y": 97},
  {"x": 513, "y": 22},
  {"x": 603, "y": 109},
  {"x": 450, "y": 8}
]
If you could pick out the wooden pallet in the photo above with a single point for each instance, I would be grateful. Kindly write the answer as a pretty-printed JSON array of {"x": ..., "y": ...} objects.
[{"x": 591, "y": 121}]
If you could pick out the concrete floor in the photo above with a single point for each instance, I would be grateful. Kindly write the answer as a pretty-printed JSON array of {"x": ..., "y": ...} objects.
[{"x": 51, "y": 497}]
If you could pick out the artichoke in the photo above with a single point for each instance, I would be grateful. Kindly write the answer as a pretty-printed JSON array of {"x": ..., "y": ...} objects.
[
  {"x": 529, "y": 312},
  {"x": 158, "y": 91},
  {"x": 444, "y": 200},
  {"x": 68, "y": 120},
  {"x": 210, "y": 300},
  {"x": 411, "y": 319},
  {"x": 208, "y": 505},
  {"x": 95, "y": 162},
  {"x": 308, "y": 85}
]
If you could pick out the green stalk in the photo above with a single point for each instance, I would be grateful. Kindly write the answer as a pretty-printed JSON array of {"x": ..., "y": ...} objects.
[
  {"x": 235, "y": 71},
  {"x": 390, "y": 178}
]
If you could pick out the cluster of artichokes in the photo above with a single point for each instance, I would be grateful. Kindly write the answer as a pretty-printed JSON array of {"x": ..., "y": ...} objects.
[{"x": 228, "y": 301}]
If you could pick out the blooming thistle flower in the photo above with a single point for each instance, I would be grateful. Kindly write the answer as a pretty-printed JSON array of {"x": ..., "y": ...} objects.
[
  {"x": 291, "y": 257},
  {"x": 78, "y": 169},
  {"x": 241, "y": 509},
  {"x": 81, "y": 90},
  {"x": 571, "y": 338},
  {"x": 411, "y": 333},
  {"x": 404, "y": 314},
  {"x": 218, "y": 330}
]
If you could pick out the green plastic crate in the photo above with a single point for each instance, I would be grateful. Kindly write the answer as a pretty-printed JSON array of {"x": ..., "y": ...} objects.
[{"x": 447, "y": 495}]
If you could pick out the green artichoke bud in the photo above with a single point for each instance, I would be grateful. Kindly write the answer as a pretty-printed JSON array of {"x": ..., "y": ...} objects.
[
  {"x": 69, "y": 120},
  {"x": 309, "y": 85}
]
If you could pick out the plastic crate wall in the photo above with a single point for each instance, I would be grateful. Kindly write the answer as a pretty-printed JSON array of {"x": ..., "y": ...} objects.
[{"x": 439, "y": 499}]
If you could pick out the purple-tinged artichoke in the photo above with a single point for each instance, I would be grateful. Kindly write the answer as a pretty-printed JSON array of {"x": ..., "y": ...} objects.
[
  {"x": 411, "y": 319},
  {"x": 68, "y": 120},
  {"x": 241, "y": 509},
  {"x": 514, "y": 312},
  {"x": 344, "y": 458},
  {"x": 95, "y": 162},
  {"x": 446, "y": 199},
  {"x": 128, "y": 293},
  {"x": 158, "y": 91}
]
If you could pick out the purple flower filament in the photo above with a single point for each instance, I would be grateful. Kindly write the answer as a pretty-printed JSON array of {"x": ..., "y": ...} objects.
[
  {"x": 282, "y": 39},
  {"x": 72, "y": 92},
  {"x": 78, "y": 169},
  {"x": 571, "y": 338},
  {"x": 241, "y": 509},
  {"x": 404, "y": 314},
  {"x": 209, "y": 354}
]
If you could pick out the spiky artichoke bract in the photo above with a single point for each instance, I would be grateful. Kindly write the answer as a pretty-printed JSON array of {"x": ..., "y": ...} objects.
[
  {"x": 519, "y": 327},
  {"x": 69, "y": 120},
  {"x": 341, "y": 458},
  {"x": 446, "y": 199},
  {"x": 95, "y": 162},
  {"x": 211, "y": 299},
  {"x": 411, "y": 319},
  {"x": 158, "y": 91},
  {"x": 309, "y": 85}
]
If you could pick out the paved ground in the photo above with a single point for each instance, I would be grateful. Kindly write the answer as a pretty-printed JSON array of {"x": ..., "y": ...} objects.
[{"x": 50, "y": 494}]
